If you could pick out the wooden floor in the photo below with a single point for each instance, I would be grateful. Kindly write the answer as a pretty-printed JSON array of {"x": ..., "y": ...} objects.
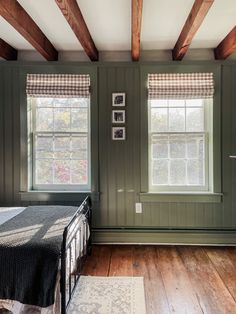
[{"x": 177, "y": 279}]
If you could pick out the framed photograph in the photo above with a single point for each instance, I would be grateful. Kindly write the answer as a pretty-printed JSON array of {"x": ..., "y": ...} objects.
[
  {"x": 118, "y": 99},
  {"x": 118, "y": 133},
  {"x": 118, "y": 116}
]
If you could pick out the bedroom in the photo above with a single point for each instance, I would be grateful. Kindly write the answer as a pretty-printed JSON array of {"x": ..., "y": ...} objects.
[{"x": 142, "y": 128}]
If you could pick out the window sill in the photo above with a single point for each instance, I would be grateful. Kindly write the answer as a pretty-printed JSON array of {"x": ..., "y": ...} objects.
[
  {"x": 50, "y": 196},
  {"x": 181, "y": 197}
]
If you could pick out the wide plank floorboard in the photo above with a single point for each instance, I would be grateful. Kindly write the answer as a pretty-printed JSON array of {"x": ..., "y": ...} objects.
[
  {"x": 212, "y": 293},
  {"x": 98, "y": 263},
  {"x": 177, "y": 279},
  {"x": 144, "y": 265},
  {"x": 179, "y": 289},
  {"x": 121, "y": 261},
  {"x": 225, "y": 267}
]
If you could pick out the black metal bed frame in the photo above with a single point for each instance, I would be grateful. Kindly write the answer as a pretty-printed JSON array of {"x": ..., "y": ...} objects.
[{"x": 68, "y": 283}]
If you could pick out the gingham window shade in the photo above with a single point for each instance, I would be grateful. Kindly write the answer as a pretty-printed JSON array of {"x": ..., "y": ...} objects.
[
  {"x": 180, "y": 85},
  {"x": 58, "y": 85}
]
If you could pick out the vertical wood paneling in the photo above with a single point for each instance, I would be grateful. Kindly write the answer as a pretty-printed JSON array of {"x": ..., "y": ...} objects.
[
  {"x": 110, "y": 150},
  {"x": 2, "y": 127},
  {"x": 233, "y": 145},
  {"x": 119, "y": 161},
  {"x": 16, "y": 137},
  {"x": 130, "y": 147},
  {"x": 119, "y": 174},
  {"x": 8, "y": 137},
  {"x": 227, "y": 91},
  {"x": 120, "y": 151},
  {"x": 102, "y": 215}
]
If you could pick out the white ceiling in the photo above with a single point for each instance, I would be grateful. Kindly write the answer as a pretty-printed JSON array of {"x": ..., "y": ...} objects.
[
  {"x": 162, "y": 22},
  {"x": 109, "y": 22}
]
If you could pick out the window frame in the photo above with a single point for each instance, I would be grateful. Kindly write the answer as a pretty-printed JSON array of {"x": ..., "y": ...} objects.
[
  {"x": 207, "y": 107},
  {"x": 34, "y": 132},
  {"x": 26, "y": 179},
  {"x": 146, "y": 193}
]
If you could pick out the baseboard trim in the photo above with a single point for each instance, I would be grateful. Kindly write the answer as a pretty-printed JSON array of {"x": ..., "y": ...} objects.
[{"x": 164, "y": 237}]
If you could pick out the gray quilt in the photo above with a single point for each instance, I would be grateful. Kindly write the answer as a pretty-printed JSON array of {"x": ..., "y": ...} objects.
[{"x": 30, "y": 246}]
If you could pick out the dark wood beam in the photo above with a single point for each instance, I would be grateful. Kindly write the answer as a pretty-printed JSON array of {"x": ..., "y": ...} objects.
[
  {"x": 192, "y": 24},
  {"x": 6, "y": 51},
  {"x": 15, "y": 15},
  {"x": 227, "y": 46},
  {"x": 137, "y": 6},
  {"x": 74, "y": 17}
]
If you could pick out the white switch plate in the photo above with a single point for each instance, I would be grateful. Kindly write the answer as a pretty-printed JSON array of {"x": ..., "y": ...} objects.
[{"x": 138, "y": 208}]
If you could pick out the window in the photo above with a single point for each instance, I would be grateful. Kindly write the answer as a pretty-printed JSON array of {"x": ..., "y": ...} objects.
[
  {"x": 180, "y": 133},
  {"x": 59, "y": 131}
]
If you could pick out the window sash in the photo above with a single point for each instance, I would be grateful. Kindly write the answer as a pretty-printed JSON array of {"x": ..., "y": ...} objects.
[
  {"x": 175, "y": 187},
  {"x": 54, "y": 186}
]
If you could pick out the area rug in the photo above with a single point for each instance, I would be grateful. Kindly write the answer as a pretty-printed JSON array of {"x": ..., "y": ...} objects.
[{"x": 108, "y": 295}]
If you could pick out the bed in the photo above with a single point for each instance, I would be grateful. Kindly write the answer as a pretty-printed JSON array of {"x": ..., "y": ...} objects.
[{"x": 42, "y": 251}]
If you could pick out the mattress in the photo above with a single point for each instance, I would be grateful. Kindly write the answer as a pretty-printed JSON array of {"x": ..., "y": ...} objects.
[{"x": 7, "y": 213}]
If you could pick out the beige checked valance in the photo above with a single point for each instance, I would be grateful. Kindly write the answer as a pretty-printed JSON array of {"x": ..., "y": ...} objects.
[
  {"x": 58, "y": 85},
  {"x": 180, "y": 85}
]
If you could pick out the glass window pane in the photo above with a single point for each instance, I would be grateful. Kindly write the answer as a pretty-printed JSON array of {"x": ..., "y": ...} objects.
[
  {"x": 44, "y": 172},
  {"x": 62, "y": 155},
  {"x": 160, "y": 146},
  {"x": 61, "y": 119},
  {"x": 62, "y": 102},
  {"x": 62, "y": 143},
  {"x": 44, "y": 154},
  {"x": 194, "y": 102},
  {"x": 79, "y": 172},
  {"x": 177, "y": 146},
  {"x": 44, "y": 142},
  {"x": 79, "y": 120},
  {"x": 195, "y": 146},
  {"x": 176, "y": 103},
  {"x": 160, "y": 172},
  {"x": 177, "y": 119},
  {"x": 195, "y": 172},
  {"x": 177, "y": 172},
  {"x": 158, "y": 103},
  {"x": 44, "y": 119},
  {"x": 44, "y": 102},
  {"x": 44, "y": 146},
  {"x": 195, "y": 119},
  {"x": 159, "y": 119},
  {"x": 82, "y": 154},
  {"x": 79, "y": 102},
  {"x": 79, "y": 142},
  {"x": 61, "y": 172}
]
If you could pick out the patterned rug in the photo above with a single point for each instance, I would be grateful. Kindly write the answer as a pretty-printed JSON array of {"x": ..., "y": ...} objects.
[{"x": 108, "y": 295}]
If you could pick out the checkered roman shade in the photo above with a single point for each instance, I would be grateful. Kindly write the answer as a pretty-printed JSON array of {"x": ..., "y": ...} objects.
[
  {"x": 180, "y": 85},
  {"x": 58, "y": 85}
]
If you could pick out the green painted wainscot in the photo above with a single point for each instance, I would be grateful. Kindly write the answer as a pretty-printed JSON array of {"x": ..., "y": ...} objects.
[{"x": 119, "y": 175}]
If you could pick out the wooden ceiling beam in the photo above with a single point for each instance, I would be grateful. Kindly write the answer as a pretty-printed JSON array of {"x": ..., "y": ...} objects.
[
  {"x": 71, "y": 11},
  {"x": 6, "y": 51},
  {"x": 196, "y": 16},
  {"x": 137, "y": 6},
  {"x": 227, "y": 46},
  {"x": 15, "y": 15}
]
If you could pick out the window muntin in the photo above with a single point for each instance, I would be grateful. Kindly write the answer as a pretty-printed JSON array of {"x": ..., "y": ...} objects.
[
  {"x": 178, "y": 144},
  {"x": 61, "y": 143}
]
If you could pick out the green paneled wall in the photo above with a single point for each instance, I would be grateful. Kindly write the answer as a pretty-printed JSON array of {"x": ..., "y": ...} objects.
[{"x": 119, "y": 161}]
